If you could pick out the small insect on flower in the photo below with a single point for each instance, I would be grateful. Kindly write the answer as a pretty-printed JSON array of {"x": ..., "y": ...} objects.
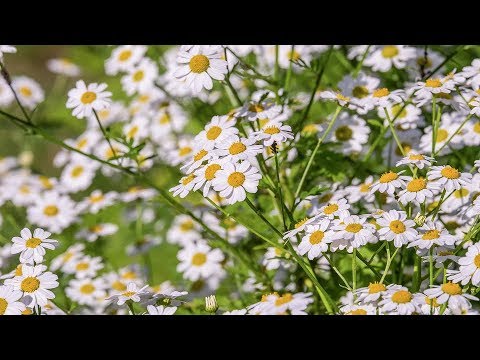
[
  {"x": 32, "y": 247},
  {"x": 84, "y": 100}
]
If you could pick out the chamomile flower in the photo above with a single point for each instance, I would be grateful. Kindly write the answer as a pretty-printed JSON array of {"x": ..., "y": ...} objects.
[
  {"x": 132, "y": 293},
  {"x": 86, "y": 291},
  {"x": 448, "y": 178},
  {"x": 388, "y": 183},
  {"x": 300, "y": 226},
  {"x": 288, "y": 303},
  {"x": 469, "y": 269},
  {"x": 398, "y": 300},
  {"x": 274, "y": 131},
  {"x": 141, "y": 77},
  {"x": 418, "y": 160},
  {"x": 338, "y": 97},
  {"x": 257, "y": 110},
  {"x": 199, "y": 261},
  {"x": 28, "y": 91},
  {"x": 425, "y": 90},
  {"x": 84, "y": 267},
  {"x": 137, "y": 192},
  {"x": 184, "y": 186},
  {"x": 137, "y": 129},
  {"x": 97, "y": 200},
  {"x": 78, "y": 175},
  {"x": 358, "y": 310},
  {"x": 217, "y": 130},
  {"x": 450, "y": 293},
  {"x": 384, "y": 98},
  {"x": 417, "y": 190},
  {"x": 99, "y": 230},
  {"x": 36, "y": 283},
  {"x": 123, "y": 58},
  {"x": 355, "y": 229},
  {"x": 395, "y": 226},
  {"x": 335, "y": 208},
  {"x": 316, "y": 239},
  {"x": 385, "y": 57},
  {"x": 236, "y": 312},
  {"x": 9, "y": 301},
  {"x": 52, "y": 211},
  {"x": 84, "y": 100},
  {"x": 32, "y": 247},
  {"x": 358, "y": 89},
  {"x": 205, "y": 175},
  {"x": 426, "y": 305},
  {"x": 161, "y": 310},
  {"x": 351, "y": 132},
  {"x": 406, "y": 116},
  {"x": 199, "y": 64},
  {"x": 70, "y": 255},
  {"x": 63, "y": 66},
  {"x": 432, "y": 233},
  {"x": 234, "y": 180},
  {"x": 371, "y": 293},
  {"x": 236, "y": 148},
  {"x": 183, "y": 231}
]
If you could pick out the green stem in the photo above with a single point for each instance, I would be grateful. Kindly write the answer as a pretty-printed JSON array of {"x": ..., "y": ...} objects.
[
  {"x": 454, "y": 134},
  {"x": 279, "y": 190},
  {"x": 431, "y": 266},
  {"x": 130, "y": 306},
  {"x": 332, "y": 265},
  {"x": 389, "y": 262},
  {"x": 360, "y": 63},
  {"x": 286, "y": 85},
  {"x": 354, "y": 270}
]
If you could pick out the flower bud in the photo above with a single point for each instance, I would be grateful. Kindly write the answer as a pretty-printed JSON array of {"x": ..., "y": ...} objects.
[{"x": 211, "y": 304}]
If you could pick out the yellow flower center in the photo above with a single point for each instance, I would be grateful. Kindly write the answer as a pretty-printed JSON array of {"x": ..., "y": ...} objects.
[
  {"x": 88, "y": 97},
  {"x": 282, "y": 300},
  {"x": 138, "y": 75},
  {"x": 397, "y": 226},
  {"x": 301, "y": 222},
  {"x": 129, "y": 293},
  {"x": 450, "y": 172},
  {"x": 200, "y": 155},
  {"x": 30, "y": 284},
  {"x": 476, "y": 261},
  {"x": 442, "y": 95},
  {"x": 214, "y": 132},
  {"x": 25, "y": 91},
  {"x": 187, "y": 179},
  {"x": 461, "y": 193},
  {"x": 27, "y": 311},
  {"x": 183, "y": 151},
  {"x": 389, "y": 51},
  {"x": 87, "y": 289},
  {"x": 211, "y": 170},
  {"x": 316, "y": 237},
  {"x": 293, "y": 55},
  {"x": 476, "y": 127},
  {"x": 96, "y": 198},
  {"x": 376, "y": 287},
  {"x": 402, "y": 297},
  {"x": 199, "y": 64},
  {"x": 388, "y": 177},
  {"x": 381, "y": 93},
  {"x": 24, "y": 189},
  {"x": 32, "y": 243},
  {"x": 50, "y": 210},
  {"x": 164, "y": 119},
  {"x": 18, "y": 270},
  {"x": 433, "y": 83},
  {"x": 432, "y": 302},
  {"x": 236, "y": 179},
  {"x": 354, "y": 228},
  {"x": 132, "y": 132},
  {"x": 124, "y": 55},
  {"x": 416, "y": 185},
  {"x": 237, "y": 148},
  {"x": 364, "y": 188},
  {"x": 186, "y": 226},
  {"x": 256, "y": 108},
  {"x": 357, "y": 312},
  {"x": 426, "y": 62},
  {"x": 96, "y": 228},
  {"x": 451, "y": 288},
  {"x": 360, "y": 91},
  {"x": 442, "y": 135},
  {"x": 330, "y": 209},
  {"x": 343, "y": 133},
  {"x": 342, "y": 97},
  {"x": 416, "y": 157},
  {"x": 81, "y": 266},
  {"x": 310, "y": 129},
  {"x": 398, "y": 112},
  {"x": 46, "y": 183},
  {"x": 129, "y": 275},
  {"x": 199, "y": 259},
  {"x": 431, "y": 235},
  {"x": 77, "y": 171},
  {"x": 119, "y": 286},
  {"x": 271, "y": 130},
  {"x": 3, "y": 306}
]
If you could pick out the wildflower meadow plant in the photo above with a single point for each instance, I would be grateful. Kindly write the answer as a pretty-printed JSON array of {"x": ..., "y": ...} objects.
[{"x": 240, "y": 180}]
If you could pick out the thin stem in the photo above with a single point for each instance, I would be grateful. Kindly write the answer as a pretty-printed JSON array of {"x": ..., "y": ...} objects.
[
  {"x": 312, "y": 156},
  {"x": 286, "y": 85},
  {"x": 417, "y": 273},
  {"x": 360, "y": 63},
  {"x": 276, "y": 68},
  {"x": 454, "y": 134},
  {"x": 338, "y": 272},
  {"x": 130, "y": 306},
  {"x": 279, "y": 190},
  {"x": 389, "y": 262},
  {"x": 394, "y": 133},
  {"x": 354, "y": 270},
  {"x": 6, "y": 76},
  {"x": 104, "y": 133},
  {"x": 431, "y": 266}
]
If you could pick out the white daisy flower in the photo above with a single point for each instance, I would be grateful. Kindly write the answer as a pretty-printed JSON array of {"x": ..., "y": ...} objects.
[
  {"x": 383, "y": 58},
  {"x": 32, "y": 247},
  {"x": 115, "y": 112},
  {"x": 137, "y": 192},
  {"x": 7, "y": 49},
  {"x": 426, "y": 304},
  {"x": 472, "y": 73},
  {"x": 199, "y": 64},
  {"x": 52, "y": 211},
  {"x": 235, "y": 148},
  {"x": 448, "y": 178},
  {"x": 205, "y": 175},
  {"x": 97, "y": 200},
  {"x": 432, "y": 234},
  {"x": 78, "y": 175},
  {"x": 86, "y": 291},
  {"x": 184, "y": 186},
  {"x": 406, "y": 116},
  {"x": 137, "y": 129},
  {"x": 63, "y": 66},
  {"x": 384, "y": 98},
  {"x": 257, "y": 110},
  {"x": 132, "y": 293},
  {"x": 274, "y": 131},
  {"x": 70, "y": 255},
  {"x": 360, "y": 190},
  {"x": 198, "y": 260},
  {"x": 183, "y": 231},
  {"x": 36, "y": 283},
  {"x": 371, "y": 293},
  {"x": 417, "y": 190},
  {"x": 335, "y": 208},
  {"x": 274, "y": 304},
  {"x": 388, "y": 183},
  {"x": 398, "y": 300},
  {"x": 469, "y": 269},
  {"x": 217, "y": 130},
  {"x": 358, "y": 310},
  {"x": 84, "y": 266},
  {"x": 161, "y": 310},
  {"x": 355, "y": 229},
  {"x": 395, "y": 226},
  {"x": 359, "y": 88},
  {"x": 29, "y": 92},
  {"x": 123, "y": 58},
  {"x": 419, "y": 160},
  {"x": 85, "y": 99},
  {"x": 9, "y": 301},
  {"x": 450, "y": 293},
  {"x": 425, "y": 90},
  {"x": 316, "y": 239},
  {"x": 236, "y": 312},
  {"x": 342, "y": 100},
  {"x": 6, "y": 94},
  {"x": 233, "y": 181},
  {"x": 141, "y": 77},
  {"x": 300, "y": 226},
  {"x": 99, "y": 230},
  {"x": 351, "y": 132}
]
